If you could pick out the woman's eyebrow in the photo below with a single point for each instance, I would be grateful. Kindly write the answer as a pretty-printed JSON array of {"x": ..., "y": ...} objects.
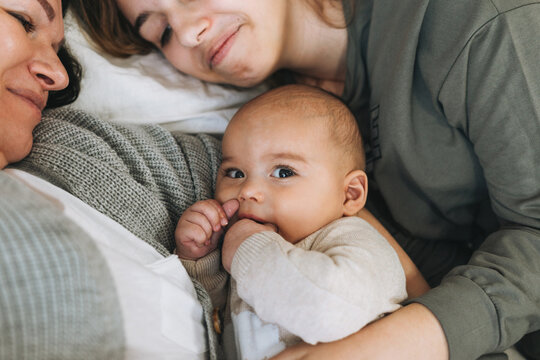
[
  {"x": 47, "y": 8},
  {"x": 140, "y": 20}
]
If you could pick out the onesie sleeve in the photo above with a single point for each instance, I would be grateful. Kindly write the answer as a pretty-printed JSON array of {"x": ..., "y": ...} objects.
[
  {"x": 212, "y": 276},
  {"x": 347, "y": 277},
  {"x": 494, "y": 89}
]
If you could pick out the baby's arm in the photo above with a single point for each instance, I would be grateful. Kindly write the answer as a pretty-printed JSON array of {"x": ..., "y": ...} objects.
[
  {"x": 349, "y": 277},
  {"x": 197, "y": 236}
]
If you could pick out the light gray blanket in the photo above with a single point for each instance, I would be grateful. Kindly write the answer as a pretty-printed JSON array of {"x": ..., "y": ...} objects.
[{"x": 57, "y": 297}]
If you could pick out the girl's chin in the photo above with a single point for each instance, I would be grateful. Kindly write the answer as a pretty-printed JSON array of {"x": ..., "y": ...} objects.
[
  {"x": 247, "y": 82},
  {"x": 246, "y": 77}
]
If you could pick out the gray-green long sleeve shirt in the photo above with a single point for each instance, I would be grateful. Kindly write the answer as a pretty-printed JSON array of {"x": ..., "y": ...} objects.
[{"x": 450, "y": 91}]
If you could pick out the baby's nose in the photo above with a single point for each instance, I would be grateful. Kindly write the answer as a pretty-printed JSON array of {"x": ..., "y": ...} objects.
[{"x": 250, "y": 191}]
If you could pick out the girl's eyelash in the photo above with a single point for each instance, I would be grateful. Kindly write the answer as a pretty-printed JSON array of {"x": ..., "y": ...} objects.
[
  {"x": 28, "y": 25},
  {"x": 166, "y": 36}
]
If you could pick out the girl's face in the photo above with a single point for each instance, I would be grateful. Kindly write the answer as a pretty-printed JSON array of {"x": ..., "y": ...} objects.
[
  {"x": 225, "y": 41},
  {"x": 32, "y": 32}
]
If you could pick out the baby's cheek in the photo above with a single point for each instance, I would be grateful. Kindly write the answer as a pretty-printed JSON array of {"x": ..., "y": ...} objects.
[
  {"x": 218, "y": 193},
  {"x": 222, "y": 195}
]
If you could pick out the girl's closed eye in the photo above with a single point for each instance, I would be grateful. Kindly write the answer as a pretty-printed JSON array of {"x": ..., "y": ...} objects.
[
  {"x": 283, "y": 172},
  {"x": 234, "y": 173},
  {"x": 166, "y": 36},
  {"x": 27, "y": 24}
]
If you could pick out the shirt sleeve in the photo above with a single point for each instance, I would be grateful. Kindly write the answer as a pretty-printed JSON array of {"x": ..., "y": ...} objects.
[
  {"x": 59, "y": 298},
  {"x": 348, "y": 278},
  {"x": 493, "y": 91}
]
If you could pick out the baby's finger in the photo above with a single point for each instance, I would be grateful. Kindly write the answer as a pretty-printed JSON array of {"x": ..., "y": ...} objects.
[
  {"x": 193, "y": 233},
  {"x": 230, "y": 207},
  {"x": 202, "y": 221},
  {"x": 213, "y": 211}
]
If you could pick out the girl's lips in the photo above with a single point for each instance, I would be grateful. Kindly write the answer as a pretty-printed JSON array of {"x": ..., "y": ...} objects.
[{"x": 220, "y": 50}]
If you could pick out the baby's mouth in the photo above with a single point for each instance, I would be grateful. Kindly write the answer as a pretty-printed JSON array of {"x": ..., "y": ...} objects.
[
  {"x": 252, "y": 218},
  {"x": 258, "y": 221}
]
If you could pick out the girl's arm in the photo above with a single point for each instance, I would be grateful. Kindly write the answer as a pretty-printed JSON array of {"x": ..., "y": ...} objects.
[
  {"x": 416, "y": 284},
  {"x": 413, "y": 331}
]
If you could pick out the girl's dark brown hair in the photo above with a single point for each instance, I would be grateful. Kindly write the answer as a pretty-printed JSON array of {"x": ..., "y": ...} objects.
[
  {"x": 108, "y": 28},
  {"x": 73, "y": 68}
]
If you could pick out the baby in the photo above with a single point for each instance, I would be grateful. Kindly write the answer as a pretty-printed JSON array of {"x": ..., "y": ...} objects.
[{"x": 303, "y": 266}]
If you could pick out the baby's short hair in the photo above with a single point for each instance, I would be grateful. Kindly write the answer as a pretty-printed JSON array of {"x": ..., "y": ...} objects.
[
  {"x": 345, "y": 132},
  {"x": 317, "y": 103}
]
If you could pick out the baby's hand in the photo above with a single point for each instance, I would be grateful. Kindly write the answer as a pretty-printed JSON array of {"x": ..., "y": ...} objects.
[
  {"x": 200, "y": 227},
  {"x": 236, "y": 235}
]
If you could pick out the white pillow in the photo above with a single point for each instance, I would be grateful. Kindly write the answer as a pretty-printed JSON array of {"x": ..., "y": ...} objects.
[{"x": 147, "y": 89}]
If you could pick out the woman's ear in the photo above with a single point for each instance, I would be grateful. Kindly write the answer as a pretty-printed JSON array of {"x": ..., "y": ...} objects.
[{"x": 356, "y": 188}]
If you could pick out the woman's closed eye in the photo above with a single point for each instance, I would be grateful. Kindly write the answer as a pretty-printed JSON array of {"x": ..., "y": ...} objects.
[
  {"x": 283, "y": 172},
  {"x": 166, "y": 36},
  {"x": 27, "y": 24},
  {"x": 234, "y": 173}
]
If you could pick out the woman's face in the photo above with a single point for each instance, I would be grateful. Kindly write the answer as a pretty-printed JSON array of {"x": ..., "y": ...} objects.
[
  {"x": 225, "y": 41},
  {"x": 32, "y": 32}
]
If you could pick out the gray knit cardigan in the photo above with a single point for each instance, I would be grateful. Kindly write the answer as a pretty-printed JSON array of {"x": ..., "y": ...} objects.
[{"x": 57, "y": 297}]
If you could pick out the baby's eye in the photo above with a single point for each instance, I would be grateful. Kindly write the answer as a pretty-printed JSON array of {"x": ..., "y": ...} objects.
[
  {"x": 234, "y": 173},
  {"x": 166, "y": 36},
  {"x": 282, "y": 172},
  {"x": 27, "y": 25}
]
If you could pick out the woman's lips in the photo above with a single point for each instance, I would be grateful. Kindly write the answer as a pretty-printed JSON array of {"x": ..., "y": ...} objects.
[
  {"x": 222, "y": 47},
  {"x": 32, "y": 97}
]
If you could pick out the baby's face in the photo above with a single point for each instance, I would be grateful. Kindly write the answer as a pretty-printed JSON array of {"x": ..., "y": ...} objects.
[{"x": 284, "y": 170}]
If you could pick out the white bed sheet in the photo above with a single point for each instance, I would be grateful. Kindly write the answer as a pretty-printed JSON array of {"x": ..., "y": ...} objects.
[{"x": 147, "y": 89}]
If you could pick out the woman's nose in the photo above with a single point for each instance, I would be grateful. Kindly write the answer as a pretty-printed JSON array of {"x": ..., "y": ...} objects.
[
  {"x": 49, "y": 70},
  {"x": 251, "y": 191}
]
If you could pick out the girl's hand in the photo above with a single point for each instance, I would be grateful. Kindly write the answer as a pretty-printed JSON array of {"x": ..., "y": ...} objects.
[{"x": 201, "y": 226}]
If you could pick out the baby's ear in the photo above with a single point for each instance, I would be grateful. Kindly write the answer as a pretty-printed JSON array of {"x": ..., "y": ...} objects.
[{"x": 356, "y": 188}]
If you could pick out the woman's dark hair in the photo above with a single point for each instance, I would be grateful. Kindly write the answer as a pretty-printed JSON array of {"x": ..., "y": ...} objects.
[{"x": 74, "y": 70}]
